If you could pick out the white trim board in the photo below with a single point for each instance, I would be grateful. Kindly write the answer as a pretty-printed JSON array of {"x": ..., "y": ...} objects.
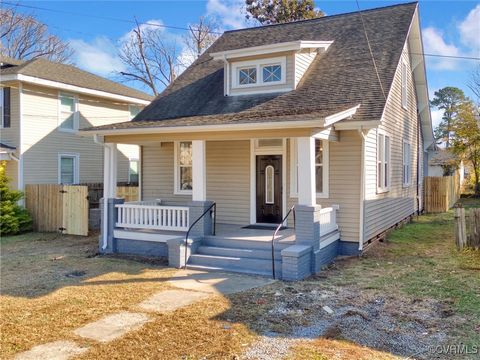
[{"x": 73, "y": 88}]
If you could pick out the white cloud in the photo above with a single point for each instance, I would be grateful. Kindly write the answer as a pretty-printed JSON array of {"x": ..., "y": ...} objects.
[
  {"x": 435, "y": 44},
  {"x": 436, "y": 117},
  {"x": 98, "y": 56},
  {"x": 230, "y": 13},
  {"x": 470, "y": 30}
]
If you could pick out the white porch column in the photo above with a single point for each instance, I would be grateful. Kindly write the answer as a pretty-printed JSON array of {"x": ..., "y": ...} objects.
[
  {"x": 199, "y": 171},
  {"x": 110, "y": 171},
  {"x": 306, "y": 171}
]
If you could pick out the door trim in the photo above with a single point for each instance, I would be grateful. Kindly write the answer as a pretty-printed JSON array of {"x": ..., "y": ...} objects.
[{"x": 253, "y": 177}]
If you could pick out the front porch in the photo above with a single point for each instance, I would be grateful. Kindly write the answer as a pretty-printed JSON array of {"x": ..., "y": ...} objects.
[{"x": 204, "y": 206}]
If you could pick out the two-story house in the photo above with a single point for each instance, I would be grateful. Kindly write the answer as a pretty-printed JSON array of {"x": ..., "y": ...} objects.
[
  {"x": 318, "y": 125},
  {"x": 42, "y": 106}
]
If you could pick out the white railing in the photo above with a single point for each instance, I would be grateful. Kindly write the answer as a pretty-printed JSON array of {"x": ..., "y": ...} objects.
[
  {"x": 146, "y": 215},
  {"x": 328, "y": 220}
]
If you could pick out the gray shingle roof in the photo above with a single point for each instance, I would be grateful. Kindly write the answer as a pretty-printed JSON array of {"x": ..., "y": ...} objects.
[
  {"x": 341, "y": 78},
  {"x": 71, "y": 75}
]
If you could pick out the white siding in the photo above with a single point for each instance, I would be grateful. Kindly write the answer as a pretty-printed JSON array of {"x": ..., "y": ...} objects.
[
  {"x": 386, "y": 209},
  {"x": 228, "y": 174},
  {"x": 303, "y": 60},
  {"x": 42, "y": 141}
]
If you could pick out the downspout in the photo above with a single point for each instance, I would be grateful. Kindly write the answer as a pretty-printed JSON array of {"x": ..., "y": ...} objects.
[
  {"x": 362, "y": 189},
  {"x": 96, "y": 140}
]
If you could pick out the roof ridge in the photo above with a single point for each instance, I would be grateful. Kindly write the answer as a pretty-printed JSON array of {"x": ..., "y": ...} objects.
[{"x": 324, "y": 17}]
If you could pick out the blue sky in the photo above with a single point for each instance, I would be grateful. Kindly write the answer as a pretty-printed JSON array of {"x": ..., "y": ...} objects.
[{"x": 449, "y": 28}]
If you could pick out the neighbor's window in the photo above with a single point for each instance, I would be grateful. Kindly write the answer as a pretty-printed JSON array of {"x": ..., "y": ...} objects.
[
  {"x": 184, "y": 167},
  {"x": 133, "y": 171},
  {"x": 321, "y": 168},
  {"x": 1, "y": 107},
  {"x": 383, "y": 163},
  {"x": 68, "y": 169},
  {"x": 4, "y": 107},
  {"x": 407, "y": 170},
  {"x": 134, "y": 110},
  {"x": 404, "y": 84},
  {"x": 247, "y": 76},
  {"x": 67, "y": 114},
  {"x": 272, "y": 73}
]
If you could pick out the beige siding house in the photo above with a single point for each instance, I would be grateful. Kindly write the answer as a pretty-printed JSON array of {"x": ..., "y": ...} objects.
[
  {"x": 43, "y": 106},
  {"x": 284, "y": 125}
]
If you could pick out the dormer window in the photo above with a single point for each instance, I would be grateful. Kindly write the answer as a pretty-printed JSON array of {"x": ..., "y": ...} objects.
[
  {"x": 247, "y": 76},
  {"x": 261, "y": 72}
]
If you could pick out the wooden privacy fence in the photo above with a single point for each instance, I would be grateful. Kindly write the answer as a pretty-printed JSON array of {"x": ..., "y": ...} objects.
[
  {"x": 58, "y": 208},
  {"x": 95, "y": 193},
  {"x": 441, "y": 192},
  {"x": 467, "y": 228},
  {"x": 129, "y": 193}
]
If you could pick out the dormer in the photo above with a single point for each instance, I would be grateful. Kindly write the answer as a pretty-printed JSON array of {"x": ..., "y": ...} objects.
[{"x": 270, "y": 68}]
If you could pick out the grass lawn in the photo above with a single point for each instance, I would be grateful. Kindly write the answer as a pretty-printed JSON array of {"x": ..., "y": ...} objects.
[{"x": 412, "y": 291}]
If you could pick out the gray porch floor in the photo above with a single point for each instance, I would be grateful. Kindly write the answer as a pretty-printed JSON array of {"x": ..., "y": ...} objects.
[{"x": 238, "y": 232}]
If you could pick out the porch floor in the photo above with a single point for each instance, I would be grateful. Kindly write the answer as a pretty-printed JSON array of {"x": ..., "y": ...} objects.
[{"x": 238, "y": 232}]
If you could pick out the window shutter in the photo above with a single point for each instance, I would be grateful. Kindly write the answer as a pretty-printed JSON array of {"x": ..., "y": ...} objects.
[{"x": 6, "y": 107}]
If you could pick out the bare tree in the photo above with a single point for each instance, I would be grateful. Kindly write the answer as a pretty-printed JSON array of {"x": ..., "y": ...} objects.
[
  {"x": 24, "y": 37},
  {"x": 149, "y": 58},
  {"x": 201, "y": 36}
]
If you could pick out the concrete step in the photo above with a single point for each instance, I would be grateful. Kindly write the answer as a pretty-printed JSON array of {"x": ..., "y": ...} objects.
[
  {"x": 235, "y": 270},
  {"x": 239, "y": 243},
  {"x": 236, "y": 252},
  {"x": 237, "y": 264}
]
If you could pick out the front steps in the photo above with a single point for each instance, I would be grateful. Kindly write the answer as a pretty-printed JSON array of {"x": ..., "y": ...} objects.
[{"x": 237, "y": 255}]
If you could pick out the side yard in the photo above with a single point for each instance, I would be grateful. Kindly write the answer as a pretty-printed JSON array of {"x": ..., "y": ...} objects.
[{"x": 405, "y": 297}]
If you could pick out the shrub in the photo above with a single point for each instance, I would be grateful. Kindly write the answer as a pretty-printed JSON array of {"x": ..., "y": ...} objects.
[{"x": 13, "y": 218}]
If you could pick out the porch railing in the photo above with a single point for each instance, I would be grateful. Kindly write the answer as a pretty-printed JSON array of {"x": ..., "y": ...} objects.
[
  {"x": 328, "y": 220},
  {"x": 147, "y": 215}
]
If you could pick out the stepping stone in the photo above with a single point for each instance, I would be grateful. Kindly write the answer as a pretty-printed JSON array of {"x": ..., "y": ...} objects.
[
  {"x": 112, "y": 327},
  {"x": 170, "y": 300},
  {"x": 58, "y": 350}
]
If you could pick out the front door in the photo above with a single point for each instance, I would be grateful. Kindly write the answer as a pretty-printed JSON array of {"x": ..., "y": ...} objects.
[{"x": 269, "y": 189}]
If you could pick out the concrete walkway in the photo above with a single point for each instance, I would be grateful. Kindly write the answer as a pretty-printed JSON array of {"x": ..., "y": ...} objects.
[{"x": 192, "y": 286}]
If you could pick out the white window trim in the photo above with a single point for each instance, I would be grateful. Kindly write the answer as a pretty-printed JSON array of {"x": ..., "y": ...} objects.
[
  {"x": 404, "y": 87},
  {"x": 176, "y": 154},
  {"x": 75, "y": 114},
  {"x": 76, "y": 167},
  {"x": 138, "y": 168},
  {"x": 407, "y": 164},
  {"x": 294, "y": 169},
  {"x": 259, "y": 64},
  {"x": 384, "y": 189},
  {"x": 1, "y": 108}
]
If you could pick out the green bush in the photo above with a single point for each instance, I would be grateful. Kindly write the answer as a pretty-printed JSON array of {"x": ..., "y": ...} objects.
[{"x": 13, "y": 218}]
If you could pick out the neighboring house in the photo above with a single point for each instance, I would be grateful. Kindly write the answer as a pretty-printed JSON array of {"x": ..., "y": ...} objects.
[
  {"x": 43, "y": 104},
  {"x": 276, "y": 116},
  {"x": 441, "y": 160}
]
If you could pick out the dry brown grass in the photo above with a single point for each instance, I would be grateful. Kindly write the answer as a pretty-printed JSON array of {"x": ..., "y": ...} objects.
[
  {"x": 40, "y": 304},
  {"x": 325, "y": 349}
]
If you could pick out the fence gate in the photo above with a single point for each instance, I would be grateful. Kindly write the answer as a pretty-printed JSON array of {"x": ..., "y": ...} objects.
[{"x": 58, "y": 208}]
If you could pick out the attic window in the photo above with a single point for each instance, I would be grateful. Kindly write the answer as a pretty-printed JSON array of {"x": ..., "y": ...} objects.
[{"x": 259, "y": 72}]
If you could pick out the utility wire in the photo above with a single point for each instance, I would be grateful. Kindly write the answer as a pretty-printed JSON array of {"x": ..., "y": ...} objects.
[
  {"x": 187, "y": 29},
  {"x": 103, "y": 17},
  {"x": 371, "y": 52}
]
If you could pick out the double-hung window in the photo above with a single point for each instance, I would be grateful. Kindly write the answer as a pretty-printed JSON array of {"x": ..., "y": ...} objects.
[
  {"x": 183, "y": 167},
  {"x": 67, "y": 117},
  {"x": 383, "y": 163},
  {"x": 134, "y": 110},
  {"x": 404, "y": 84},
  {"x": 407, "y": 167},
  {"x": 68, "y": 169},
  {"x": 321, "y": 168},
  {"x": 4, "y": 107}
]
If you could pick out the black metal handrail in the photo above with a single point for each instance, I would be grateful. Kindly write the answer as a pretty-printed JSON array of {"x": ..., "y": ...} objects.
[
  {"x": 292, "y": 209},
  {"x": 214, "y": 206}
]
